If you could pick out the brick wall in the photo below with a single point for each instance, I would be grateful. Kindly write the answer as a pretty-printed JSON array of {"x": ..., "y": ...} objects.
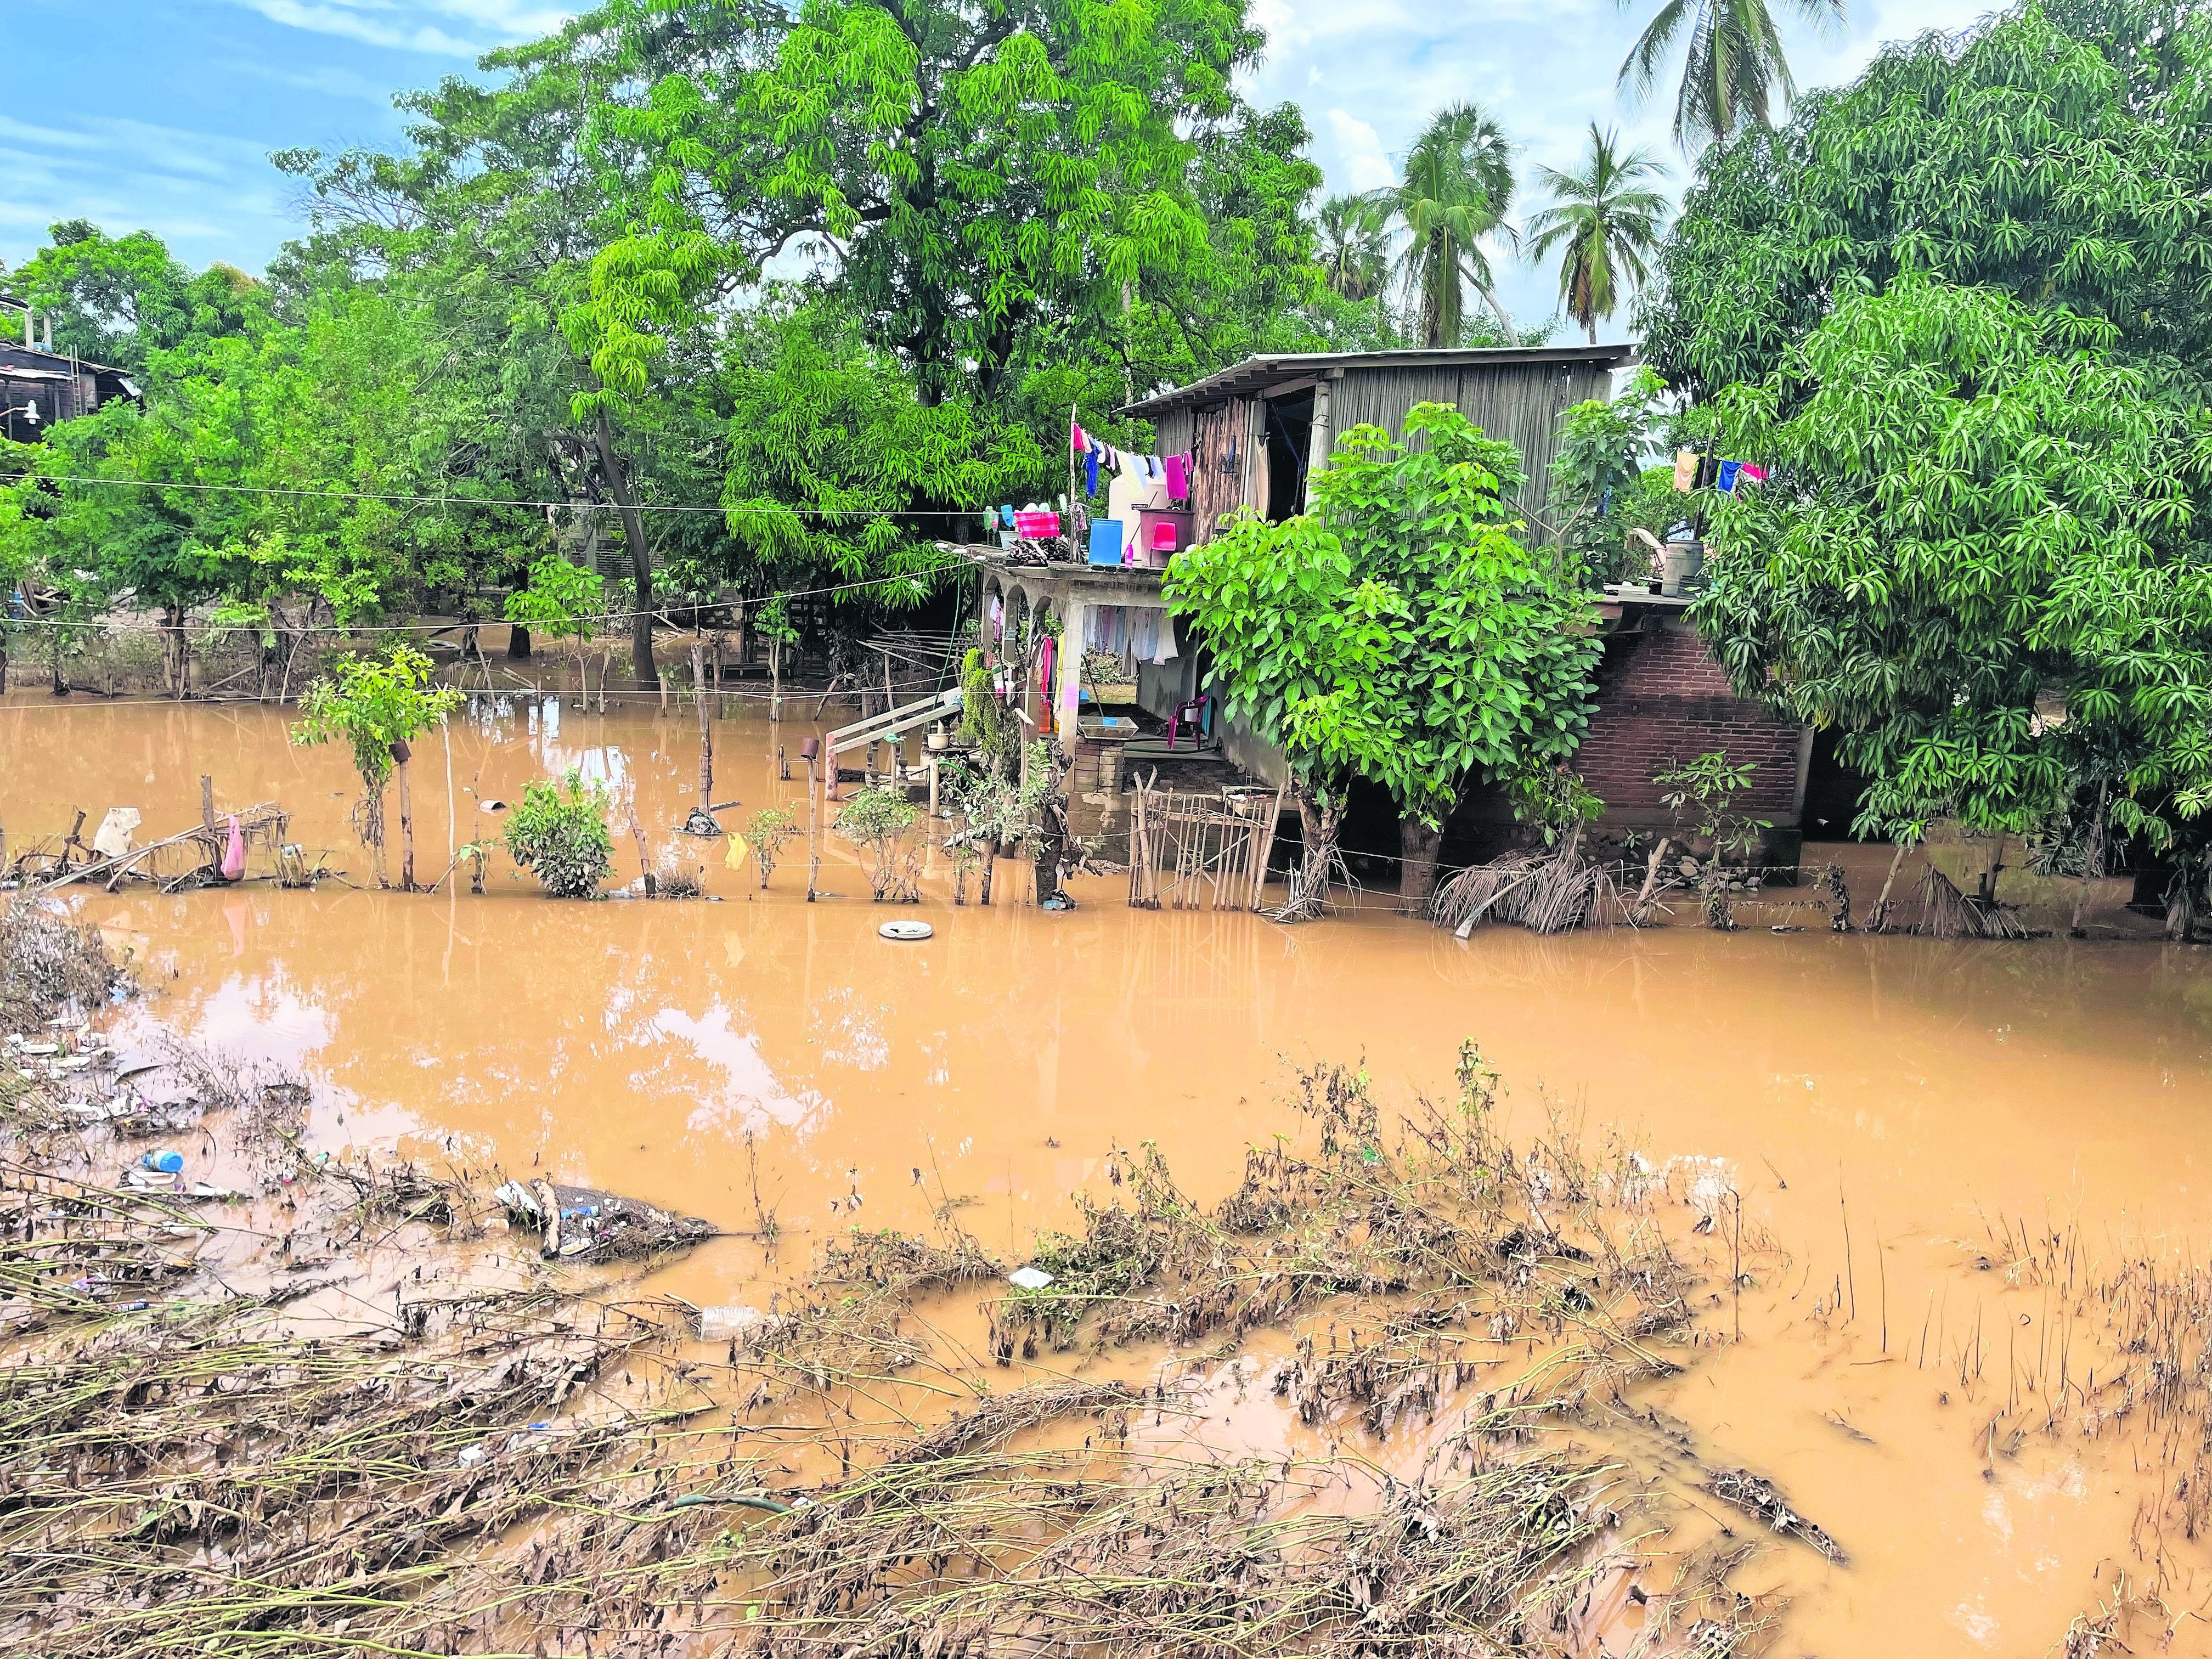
[{"x": 1662, "y": 697}]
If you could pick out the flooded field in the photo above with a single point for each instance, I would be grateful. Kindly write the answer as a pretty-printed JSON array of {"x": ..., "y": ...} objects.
[{"x": 1911, "y": 1126}]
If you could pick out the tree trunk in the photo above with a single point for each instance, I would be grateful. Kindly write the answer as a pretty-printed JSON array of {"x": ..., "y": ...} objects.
[
  {"x": 61, "y": 680},
  {"x": 2092, "y": 861},
  {"x": 406, "y": 832},
  {"x": 706, "y": 730},
  {"x": 1418, "y": 844},
  {"x": 1877, "y": 920},
  {"x": 775, "y": 681},
  {"x": 1652, "y": 867},
  {"x": 1320, "y": 819},
  {"x": 640, "y": 557}
]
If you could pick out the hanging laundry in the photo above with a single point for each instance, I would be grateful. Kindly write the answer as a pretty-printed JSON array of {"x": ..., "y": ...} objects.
[
  {"x": 1006, "y": 517},
  {"x": 1685, "y": 469},
  {"x": 1076, "y": 440},
  {"x": 1090, "y": 473},
  {"x": 1178, "y": 478},
  {"x": 1164, "y": 639},
  {"x": 1746, "y": 473},
  {"x": 1726, "y": 482}
]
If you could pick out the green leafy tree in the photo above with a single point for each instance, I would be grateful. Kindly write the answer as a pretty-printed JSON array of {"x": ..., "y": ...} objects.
[
  {"x": 1732, "y": 70},
  {"x": 2061, "y": 153},
  {"x": 1598, "y": 493},
  {"x": 1355, "y": 246},
  {"x": 564, "y": 601},
  {"x": 118, "y": 300},
  {"x": 971, "y": 171},
  {"x": 558, "y": 832},
  {"x": 1979, "y": 559},
  {"x": 377, "y": 706},
  {"x": 1400, "y": 631},
  {"x": 881, "y": 822},
  {"x": 1604, "y": 222},
  {"x": 1456, "y": 188}
]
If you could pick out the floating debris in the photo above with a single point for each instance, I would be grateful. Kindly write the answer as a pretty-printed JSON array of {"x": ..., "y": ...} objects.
[
  {"x": 1759, "y": 1498},
  {"x": 588, "y": 1222}
]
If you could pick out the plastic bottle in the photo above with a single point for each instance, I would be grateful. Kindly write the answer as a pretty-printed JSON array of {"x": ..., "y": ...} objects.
[{"x": 167, "y": 1161}]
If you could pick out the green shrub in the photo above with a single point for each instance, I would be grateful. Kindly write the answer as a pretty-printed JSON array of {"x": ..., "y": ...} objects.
[
  {"x": 558, "y": 832},
  {"x": 769, "y": 830},
  {"x": 879, "y": 820}
]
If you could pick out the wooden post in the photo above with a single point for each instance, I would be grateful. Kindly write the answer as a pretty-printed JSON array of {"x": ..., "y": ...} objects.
[
  {"x": 706, "y": 730},
  {"x": 813, "y": 828},
  {"x": 406, "y": 824},
  {"x": 1266, "y": 850}
]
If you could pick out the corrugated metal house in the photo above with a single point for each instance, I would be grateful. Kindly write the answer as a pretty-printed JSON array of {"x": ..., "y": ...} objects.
[
  {"x": 39, "y": 386},
  {"x": 1254, "y": 429}
]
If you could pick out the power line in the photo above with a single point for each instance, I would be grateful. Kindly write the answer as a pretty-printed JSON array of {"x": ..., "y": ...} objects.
[
  {"x": 760, "y": 602},
  {"x": 488, "y": 500}
]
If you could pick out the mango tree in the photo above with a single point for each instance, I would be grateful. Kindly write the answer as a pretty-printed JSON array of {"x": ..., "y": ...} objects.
[{"x": 1979, "y": 557}]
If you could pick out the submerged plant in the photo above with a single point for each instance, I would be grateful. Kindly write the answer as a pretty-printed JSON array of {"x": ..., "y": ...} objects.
[
  {"x": 378, "y": 706},
  {"x": 558, "y": 832},
  {"x": 769, "y": 831},
  {"x": 879, "y": 822}
]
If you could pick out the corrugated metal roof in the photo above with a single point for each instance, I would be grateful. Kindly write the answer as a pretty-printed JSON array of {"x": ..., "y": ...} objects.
[{"x": 1257, "y": 373}]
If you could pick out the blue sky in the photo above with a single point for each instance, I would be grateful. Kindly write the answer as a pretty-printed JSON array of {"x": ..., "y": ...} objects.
[{"x": 159, "y": 114}]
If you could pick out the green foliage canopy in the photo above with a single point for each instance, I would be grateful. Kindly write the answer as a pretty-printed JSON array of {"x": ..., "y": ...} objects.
[
  {"x": 2062, "y": 153},
  {"x": 1400, "y": 630},
  {"x": 1979, "y": 558}
]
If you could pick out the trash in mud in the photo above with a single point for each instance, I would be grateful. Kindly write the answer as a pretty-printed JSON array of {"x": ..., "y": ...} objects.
[
  {"x": 1029, "y": 1279},
  {"x": 1740, "y": 1489},
  {"x": 586, "y": 1222},
  {"x": 735, "y": 1324}
]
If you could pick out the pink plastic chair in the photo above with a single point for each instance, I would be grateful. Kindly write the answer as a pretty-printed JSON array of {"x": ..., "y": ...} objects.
[{"x": 1193, "y": 709}]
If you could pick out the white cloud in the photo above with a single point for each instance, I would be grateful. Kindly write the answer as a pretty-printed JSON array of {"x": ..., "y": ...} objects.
[
  {"x": 417, "y": 24},
  {"x": 1546, "y": 68},
  {"x": 1364, "y": 165},
  {"x": 368, "y": 26}
]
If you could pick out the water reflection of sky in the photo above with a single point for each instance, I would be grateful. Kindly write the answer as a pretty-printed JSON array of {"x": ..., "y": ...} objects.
[{"x": 752, "y": 1098}]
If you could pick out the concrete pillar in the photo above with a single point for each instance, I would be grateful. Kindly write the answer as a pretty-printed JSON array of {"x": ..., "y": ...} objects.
[
  {"x": 1321, "y": 437},
  {"x": 1073, "y": 617}
]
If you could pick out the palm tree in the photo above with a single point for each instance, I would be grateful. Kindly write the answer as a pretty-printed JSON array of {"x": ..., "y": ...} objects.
[
  {"x": 1607, "y": 223},
  {"x": 1355, "y": 246},
  {"x": 1458, "y": 183},
  {"x": 1734, "y": 63}
]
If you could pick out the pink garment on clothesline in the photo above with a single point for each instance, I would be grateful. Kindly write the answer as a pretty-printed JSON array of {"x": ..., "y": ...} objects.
[{"x": 1178, "y": 478}]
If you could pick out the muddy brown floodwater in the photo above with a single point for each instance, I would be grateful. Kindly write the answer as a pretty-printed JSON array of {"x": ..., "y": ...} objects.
[{"x": 1883, "y": 1106}]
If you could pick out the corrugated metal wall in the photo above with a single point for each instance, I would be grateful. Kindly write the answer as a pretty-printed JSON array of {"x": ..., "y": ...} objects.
[{"x": 1520, "y": 403}]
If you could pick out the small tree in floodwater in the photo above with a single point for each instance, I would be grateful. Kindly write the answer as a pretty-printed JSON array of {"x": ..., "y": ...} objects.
[
  {"x": 378, "y": 706},
  {"x": 564, "y": 600},
  {"x": 882, "y": 822},
  {"x": 558, "y": 832},
  {"x": 771, "y": 830},
  {"x": 1399, "y": 630}
]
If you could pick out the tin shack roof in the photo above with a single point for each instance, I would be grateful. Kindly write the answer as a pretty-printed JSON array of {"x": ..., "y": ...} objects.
[{"x": 1258, "y": 373}]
